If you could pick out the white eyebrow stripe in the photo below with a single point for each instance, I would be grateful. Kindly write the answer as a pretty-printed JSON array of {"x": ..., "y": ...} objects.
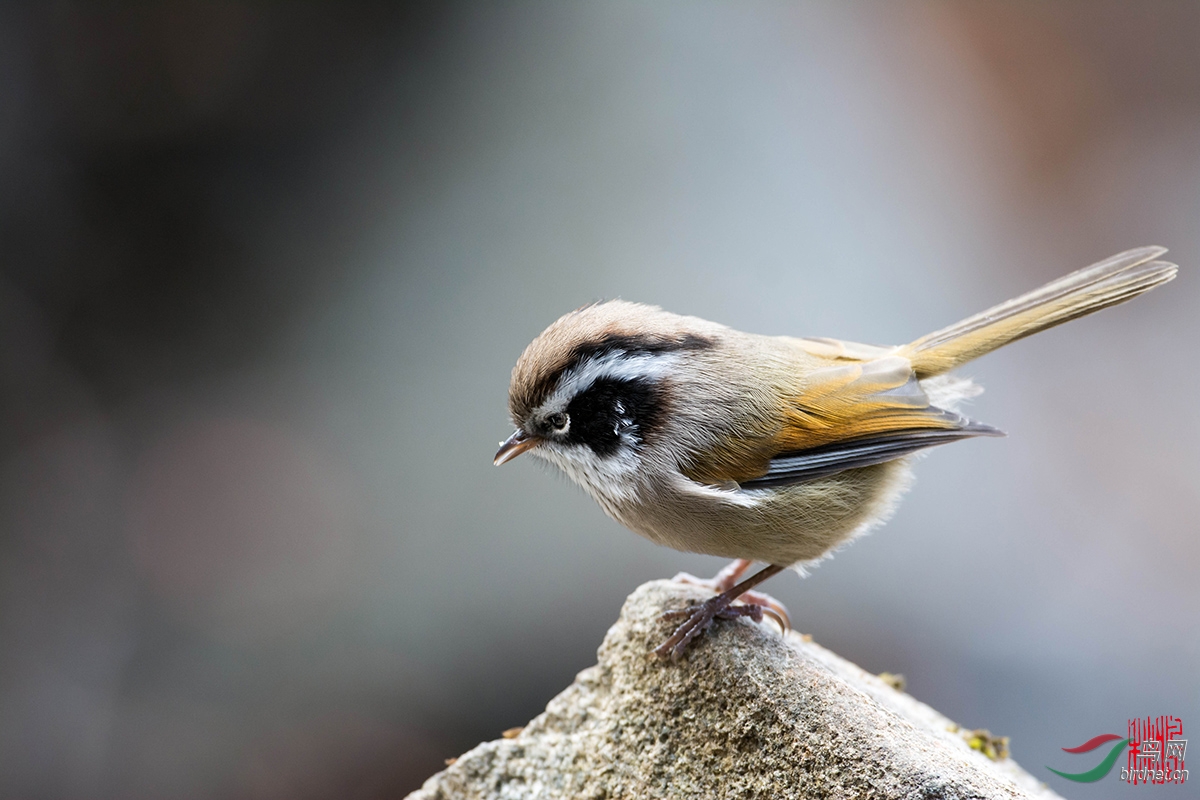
[{"x": 618, "y": 364}]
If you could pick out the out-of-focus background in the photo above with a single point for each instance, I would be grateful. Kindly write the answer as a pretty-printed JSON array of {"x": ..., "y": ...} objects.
[{"x": 264, "y": 269}]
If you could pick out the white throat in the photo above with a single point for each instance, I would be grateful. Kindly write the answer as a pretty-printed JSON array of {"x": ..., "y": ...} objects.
[{"x": 614, "y": 480}]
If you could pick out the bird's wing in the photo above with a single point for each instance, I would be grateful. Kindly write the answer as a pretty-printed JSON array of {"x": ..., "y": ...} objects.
[
  {"x": 851, "y": 412},
  {"x": 858, "y": 413}
]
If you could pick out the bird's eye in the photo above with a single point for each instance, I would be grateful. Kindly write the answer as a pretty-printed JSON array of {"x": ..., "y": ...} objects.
[{"x": 557, "y": 421}]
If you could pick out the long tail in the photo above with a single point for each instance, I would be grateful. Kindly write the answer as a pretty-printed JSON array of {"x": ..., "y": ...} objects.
[{"x": 1106, "y": 283}]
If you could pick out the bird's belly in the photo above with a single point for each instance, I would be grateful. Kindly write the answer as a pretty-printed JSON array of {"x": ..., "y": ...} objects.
[{"x": 784, "y": 525}]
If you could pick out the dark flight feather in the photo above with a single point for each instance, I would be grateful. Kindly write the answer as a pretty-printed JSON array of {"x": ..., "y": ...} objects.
[{"x": 787, "y": 469}]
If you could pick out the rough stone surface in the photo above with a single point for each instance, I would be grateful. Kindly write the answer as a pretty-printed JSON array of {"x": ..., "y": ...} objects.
[{"x": 747, "y": 713}]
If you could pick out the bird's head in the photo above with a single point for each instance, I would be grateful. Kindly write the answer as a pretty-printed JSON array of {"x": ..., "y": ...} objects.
[{"x": 593, "y": 390}]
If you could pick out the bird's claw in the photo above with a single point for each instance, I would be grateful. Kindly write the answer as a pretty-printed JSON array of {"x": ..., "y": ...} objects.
[
  {"x": 700, "y": 618},
  {"x": 724, "y": 580}
]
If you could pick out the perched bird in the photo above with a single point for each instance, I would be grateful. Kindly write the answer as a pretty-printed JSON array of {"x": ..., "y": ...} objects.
[{"x": 763, "y": 448}]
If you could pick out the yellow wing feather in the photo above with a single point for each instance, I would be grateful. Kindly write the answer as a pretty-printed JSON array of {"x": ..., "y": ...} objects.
[
  {"x": 856, "y": 400},
  {"x": 844, "y": 401}
]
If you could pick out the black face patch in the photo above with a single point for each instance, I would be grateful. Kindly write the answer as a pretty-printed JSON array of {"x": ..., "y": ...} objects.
[
  {"x": 609, "y": 408},
  {"x": 533, "y": 395}
]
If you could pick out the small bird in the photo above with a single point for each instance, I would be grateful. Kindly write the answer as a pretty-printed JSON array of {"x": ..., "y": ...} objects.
[{"x": 764, "y": 448}]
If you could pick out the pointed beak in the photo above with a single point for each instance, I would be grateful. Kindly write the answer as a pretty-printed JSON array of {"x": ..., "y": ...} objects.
[{"x": 514, "y": 445}]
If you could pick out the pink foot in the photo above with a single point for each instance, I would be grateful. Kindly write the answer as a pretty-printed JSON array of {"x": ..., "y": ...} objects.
[
  {"x": 727, "y": 578},
  {"x": 729, "y": 604}
]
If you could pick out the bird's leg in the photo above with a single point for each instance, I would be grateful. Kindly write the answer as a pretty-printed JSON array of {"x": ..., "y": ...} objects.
[
  {"x": 699, "y": 618},
  {"x": 728, "y": 577},
  {"x": 724, "y": 580}
]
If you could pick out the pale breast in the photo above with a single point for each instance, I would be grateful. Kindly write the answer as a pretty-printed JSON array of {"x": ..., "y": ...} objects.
[{"x": 785, "y": 525}]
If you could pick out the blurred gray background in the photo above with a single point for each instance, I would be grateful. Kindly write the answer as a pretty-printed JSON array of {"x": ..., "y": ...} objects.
[{"x": 264, "y": 271}]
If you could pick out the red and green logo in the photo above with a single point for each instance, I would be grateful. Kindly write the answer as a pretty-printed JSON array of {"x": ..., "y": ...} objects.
[
  {"x": 1100, "y": 770},
  {"x": 1154, "y": 751}
]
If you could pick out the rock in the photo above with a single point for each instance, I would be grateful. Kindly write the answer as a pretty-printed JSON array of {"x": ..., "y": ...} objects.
[{"x": 747, "y": 713}]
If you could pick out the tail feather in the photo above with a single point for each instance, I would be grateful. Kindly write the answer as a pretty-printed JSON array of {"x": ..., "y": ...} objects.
[{"x": 1106, "y": 283}]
